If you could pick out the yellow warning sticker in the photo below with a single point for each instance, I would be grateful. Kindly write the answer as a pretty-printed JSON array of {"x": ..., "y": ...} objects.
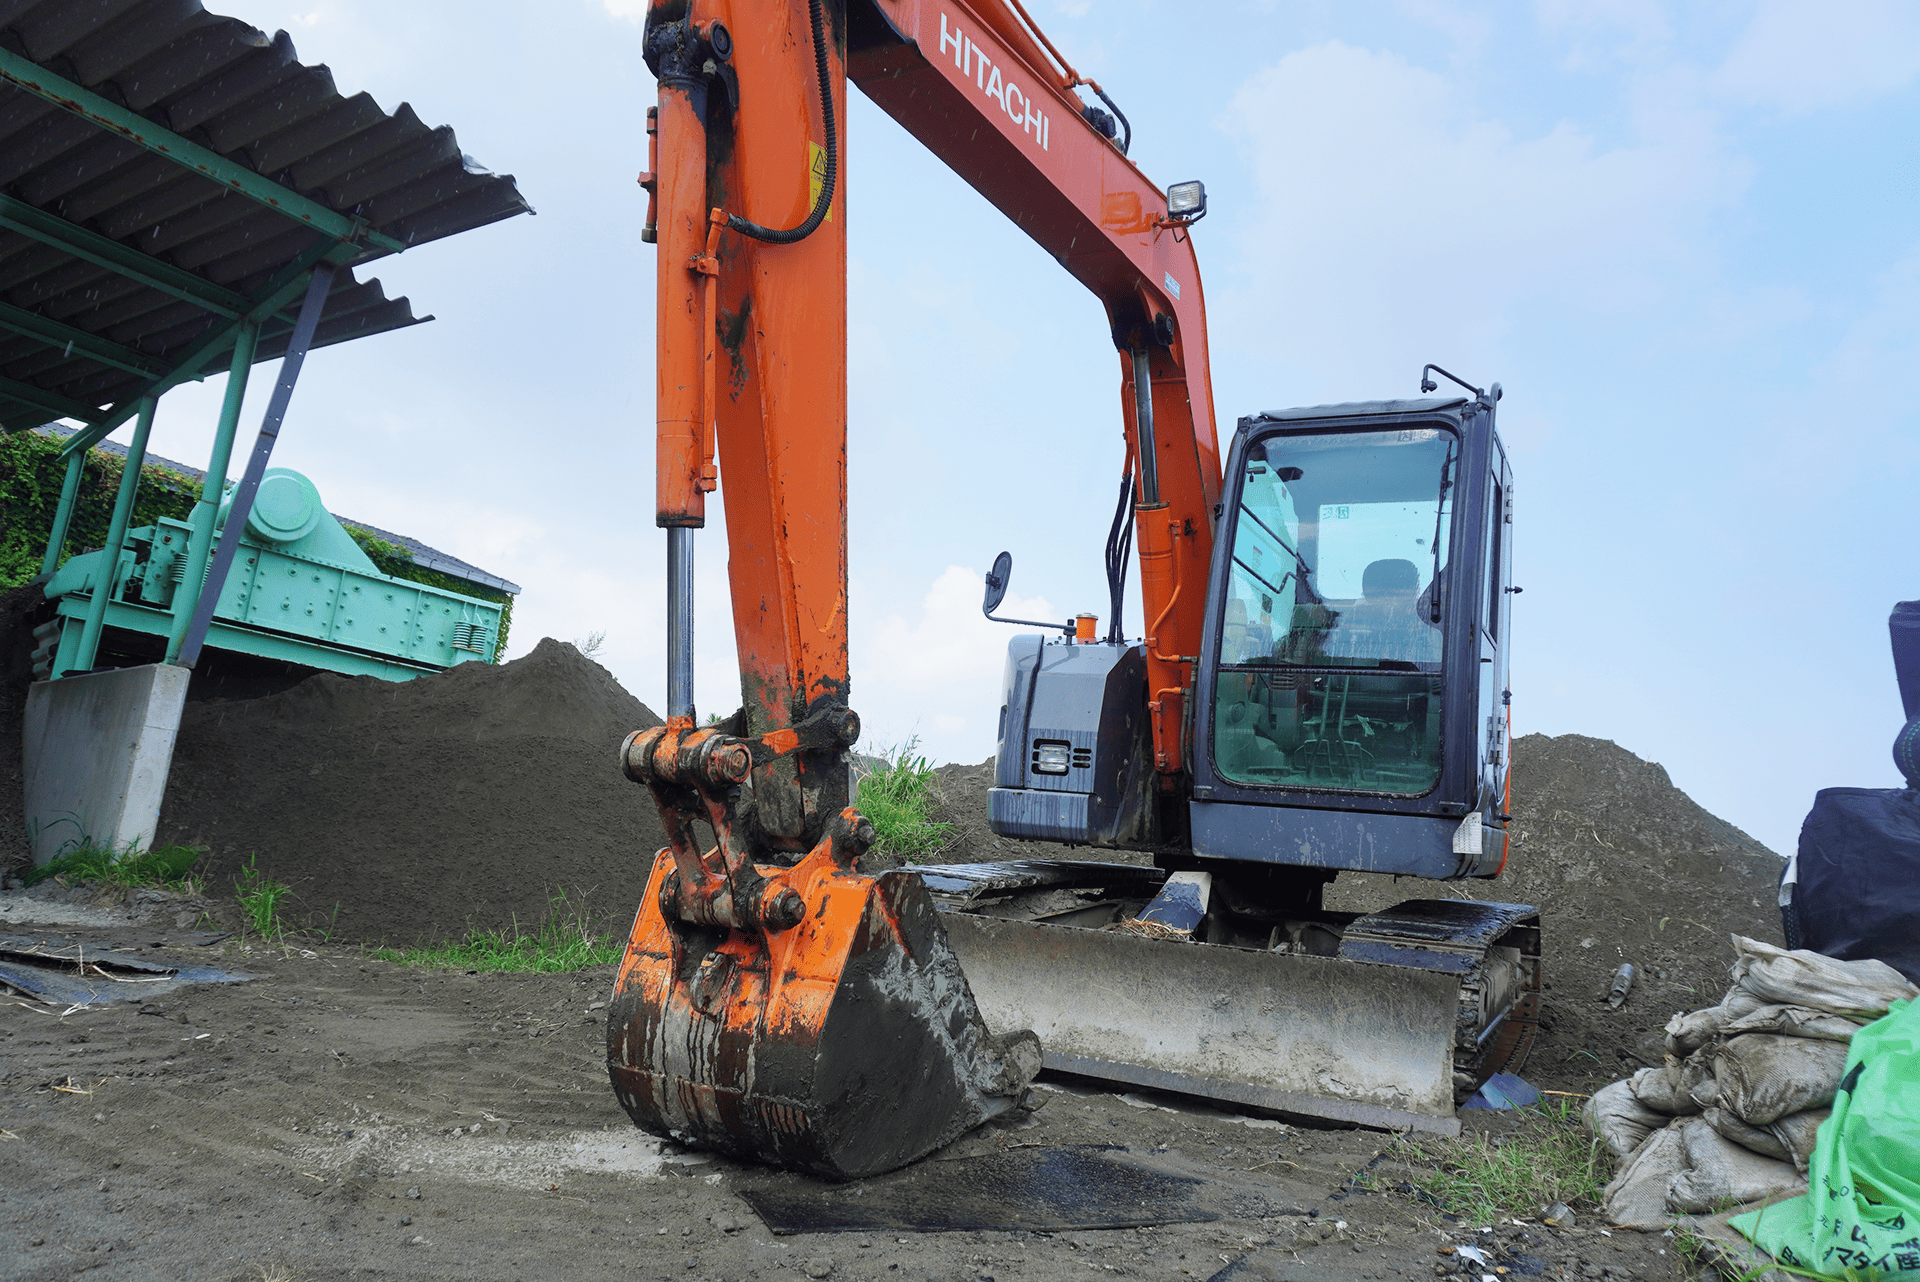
[{"x": 816, "y": 175}]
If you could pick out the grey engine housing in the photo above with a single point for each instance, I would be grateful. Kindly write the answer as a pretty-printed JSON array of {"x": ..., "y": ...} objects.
[{"x": 1092, "y": 698}]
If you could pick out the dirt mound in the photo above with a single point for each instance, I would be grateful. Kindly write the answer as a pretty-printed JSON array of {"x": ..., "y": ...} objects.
[
  {"x": 418, "y": 807},
  {"x": 1623, "y": 866}
]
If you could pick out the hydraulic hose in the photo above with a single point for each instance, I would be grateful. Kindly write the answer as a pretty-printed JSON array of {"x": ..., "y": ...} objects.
[
  {"x": 788, "y": 236},
  {"x": 1119, "y": 545},
  {"x": 1126, "y": 140}
]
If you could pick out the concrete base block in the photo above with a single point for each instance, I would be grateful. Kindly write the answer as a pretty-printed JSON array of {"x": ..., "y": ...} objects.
[{"x": 98, "y": 749}]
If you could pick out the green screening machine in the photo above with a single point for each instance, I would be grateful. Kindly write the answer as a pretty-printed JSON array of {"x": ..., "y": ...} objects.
[{"x": 301, "y": 591}]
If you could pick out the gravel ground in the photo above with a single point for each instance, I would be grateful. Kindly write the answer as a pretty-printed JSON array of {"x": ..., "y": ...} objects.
[{"x": 340, "y": 1117}]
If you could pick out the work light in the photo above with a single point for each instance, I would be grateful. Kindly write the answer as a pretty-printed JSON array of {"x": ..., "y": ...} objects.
[
  {"x": 1187, "y": 201},
  {"x": 1050, "y": 757}
]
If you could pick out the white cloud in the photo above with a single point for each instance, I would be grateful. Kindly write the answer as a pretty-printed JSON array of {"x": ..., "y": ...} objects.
[
  {"x": 1397, "y": 228},
  {"x": 1639, "y": 20},
  {"x": 1841, "y": 53},
  {"x": 1468, "y": 26},
  {"x": 631, "y": 10},
  {"x": 934, "y": 674}
]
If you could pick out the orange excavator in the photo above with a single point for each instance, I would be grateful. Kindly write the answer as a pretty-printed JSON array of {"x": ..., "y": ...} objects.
[{"x": 1321, "y": 686}]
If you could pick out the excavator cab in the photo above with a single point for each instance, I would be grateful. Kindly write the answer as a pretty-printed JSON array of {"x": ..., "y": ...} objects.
[
  {"x": 1351, "y": 700},
  {"x": 1350, "y": 707}
]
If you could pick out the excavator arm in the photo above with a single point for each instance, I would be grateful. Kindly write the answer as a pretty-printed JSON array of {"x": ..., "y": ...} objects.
[{"x": 752, "y": 332}]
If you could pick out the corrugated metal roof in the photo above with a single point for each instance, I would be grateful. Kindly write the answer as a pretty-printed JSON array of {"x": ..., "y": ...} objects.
[
  {"x": 427, "y": 558},
  {"x": 219, "y": 83}
]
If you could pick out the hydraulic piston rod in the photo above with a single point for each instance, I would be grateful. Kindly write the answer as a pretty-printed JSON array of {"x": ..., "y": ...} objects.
[
  {"x": 1143, "y": 429},
  {"x": 679, "y": 622}
]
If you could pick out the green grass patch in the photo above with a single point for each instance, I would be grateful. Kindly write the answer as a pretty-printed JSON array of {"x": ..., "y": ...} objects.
[
  {"x": 896, "y": 796},
  {"x": 260, "y": 898},
  {"x": 564, "y": 941},
  {"x": 1548, "y": 1157},
  {"x": 170, "y": 867}
]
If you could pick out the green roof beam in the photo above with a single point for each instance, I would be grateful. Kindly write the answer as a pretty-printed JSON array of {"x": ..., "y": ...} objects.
[
  {"x": 36, "y": 79},
  {"x": 105, "y": 251},
  {"x": 287, "y": 284},
  {"x": 52, "y": 403},
  {"x": 53, "y": 333}
]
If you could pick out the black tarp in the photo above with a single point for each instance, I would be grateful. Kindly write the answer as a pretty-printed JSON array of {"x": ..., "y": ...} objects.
[
  {"x": 1905, "y": 626},
  {"x": 1857, "y": 892}
]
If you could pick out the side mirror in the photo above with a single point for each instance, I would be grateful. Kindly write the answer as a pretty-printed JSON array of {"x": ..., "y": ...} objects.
[{"x": 997, "y": 579}]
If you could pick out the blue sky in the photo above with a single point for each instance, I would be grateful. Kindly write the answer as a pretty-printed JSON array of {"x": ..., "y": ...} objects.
[{"x": 1684, "y": 238}]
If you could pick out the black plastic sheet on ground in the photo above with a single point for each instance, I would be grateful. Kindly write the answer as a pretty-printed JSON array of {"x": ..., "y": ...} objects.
[
  {"x": 1037, "y": 1189},
  {"x": 70, "y": 974}
]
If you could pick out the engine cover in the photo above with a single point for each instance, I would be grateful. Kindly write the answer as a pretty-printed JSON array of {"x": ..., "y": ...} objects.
[{"x": 1075, "y": 762}]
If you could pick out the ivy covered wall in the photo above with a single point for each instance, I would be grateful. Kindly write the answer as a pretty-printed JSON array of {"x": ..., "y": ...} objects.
[{"x": 31, "y": 474}]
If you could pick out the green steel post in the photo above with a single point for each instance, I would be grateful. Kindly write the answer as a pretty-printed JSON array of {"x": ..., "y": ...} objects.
[
  {"x": 200, "y": 544},
  {"x": 116, "y": 539},
  {"x": 63, "y": 515}
]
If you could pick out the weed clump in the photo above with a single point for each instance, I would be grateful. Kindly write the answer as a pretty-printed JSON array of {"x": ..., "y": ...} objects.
[
  {"x": 564, "y": 941},
  {"x": 167, "y": 866},
  {"x": 260, "y": 897},
  {"x": 896, "y": 796},
  {"x": 1548, "y": 1157}
]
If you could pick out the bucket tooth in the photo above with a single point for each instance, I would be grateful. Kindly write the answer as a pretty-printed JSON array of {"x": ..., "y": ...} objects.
[{"x": 846, "y": 1045}]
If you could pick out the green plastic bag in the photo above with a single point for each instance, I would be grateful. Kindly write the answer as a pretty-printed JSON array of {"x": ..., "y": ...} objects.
[{"x": 1861, "y": 1215}]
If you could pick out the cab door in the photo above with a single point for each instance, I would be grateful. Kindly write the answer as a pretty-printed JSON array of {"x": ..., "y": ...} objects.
[{"x": 1495, "y": 637}]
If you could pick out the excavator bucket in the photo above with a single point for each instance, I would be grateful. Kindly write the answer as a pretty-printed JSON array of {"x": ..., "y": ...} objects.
[{"x": 845, "y": 1045}]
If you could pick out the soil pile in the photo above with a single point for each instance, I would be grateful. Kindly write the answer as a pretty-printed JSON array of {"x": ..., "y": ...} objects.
[
  {"x": 1623, "y": 866},
  {"x": 473, "y": 796}
]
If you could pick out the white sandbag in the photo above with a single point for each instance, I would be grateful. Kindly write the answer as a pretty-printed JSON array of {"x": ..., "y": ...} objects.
[
  {"x": 1687, "y": 1033},
  {"x": 1664, "y": 1090},
  {"x": 1759, "y": 1139},
  {"x": 1794, "y": 1021},
  {"x": 1720, "y": 1171},
  {"x": 1863, "y": 989},
  {"x": 1796, "y": 1133},
  {"x": 1621, "y": 1121},
  {"x": 1696, "y": 1075},
  {"x": 1638, "y": 1195},
  {"x": 1763, "y": 1077}
]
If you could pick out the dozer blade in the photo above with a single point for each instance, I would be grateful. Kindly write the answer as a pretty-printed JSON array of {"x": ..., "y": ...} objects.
[
  {"x": 846, "y": 1045},
  {"x": 1374, "y": 1043}
]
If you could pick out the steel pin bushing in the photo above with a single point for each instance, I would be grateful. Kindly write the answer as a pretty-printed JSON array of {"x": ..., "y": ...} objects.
[{"x": 783, "y": 909}]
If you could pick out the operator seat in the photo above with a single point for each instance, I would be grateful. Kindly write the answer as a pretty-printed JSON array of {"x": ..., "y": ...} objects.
[{"x": 1385, "y": 623}]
